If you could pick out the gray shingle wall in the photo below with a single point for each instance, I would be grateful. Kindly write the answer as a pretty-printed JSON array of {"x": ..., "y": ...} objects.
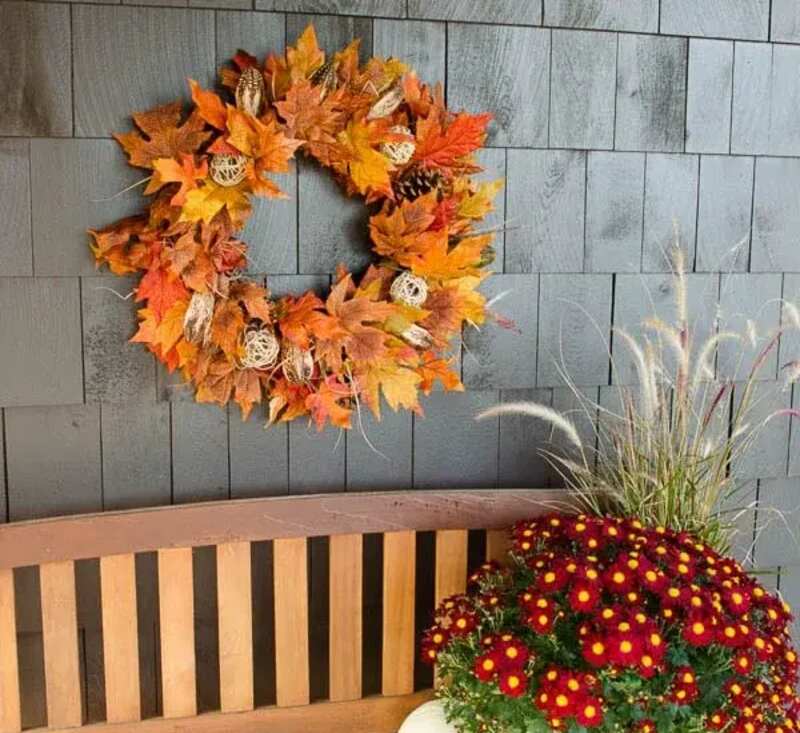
[{"x": 619, "y": 126}]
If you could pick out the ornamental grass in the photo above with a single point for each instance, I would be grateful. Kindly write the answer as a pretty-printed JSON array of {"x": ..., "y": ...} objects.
[{"x": 625, "y": 613}]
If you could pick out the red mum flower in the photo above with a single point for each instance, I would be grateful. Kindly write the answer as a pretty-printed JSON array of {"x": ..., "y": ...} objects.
[
  {"x": 625, "y": 649},
  {"x": 595, "y": 651},
  {"x": 590, "y": 713},
  {"x": 553, "y": 579},
  {"x": 486, "y": 666},
  {"x": 718, "y": 720},
  {"x": 513, "y": 683},
  {"x": 743, "y": 664},
  {"x": 699, "y": 630},
  {"x": 584, "y": 597},
  {"x": 646, "y": 726},
  {"x": 737, "y": 600},
  {"x": 512, "y": 654}
]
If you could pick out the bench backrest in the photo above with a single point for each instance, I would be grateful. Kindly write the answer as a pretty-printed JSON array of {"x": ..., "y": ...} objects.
[{"x": 115, "y": 538}]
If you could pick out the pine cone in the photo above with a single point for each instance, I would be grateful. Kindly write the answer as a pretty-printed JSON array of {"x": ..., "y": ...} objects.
[{"x": 417, "y": 182}]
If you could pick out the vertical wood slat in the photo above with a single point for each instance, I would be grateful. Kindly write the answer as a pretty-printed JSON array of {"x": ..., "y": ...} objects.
[
  {"x": 60, "y": 639},
  {"x": 497, "y": 545},
  {"x": 346, "y": 572},
  {"x": 399, "y": 583},
  {"x": 10, "y": 713},
  {"x": 235, "y": 604},
  {"x": 120, "y": 638},
  {"x": 290, "y": 572},
  {"x": 176, "y": 619},
  {"x": 451, "y": 563}
]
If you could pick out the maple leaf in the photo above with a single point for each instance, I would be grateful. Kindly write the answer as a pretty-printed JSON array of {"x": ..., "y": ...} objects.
[
  {"x": 120, "y": 245},
  {"x": 398, "y": 383},
  {"x": 398, "y": 231},
  {"x": 434, "y": 369},
  {"x": 160, "y": 288},
  {"x": 442, "y": 262},
  {"x": 287, "y": 400},
  {"x": 209, "y": 106},
  {"x": 162, "y": 333},
  {"x": 227, "y": 326},
  {"x": 204, "y": 203},
  {"x": 269, "y": 148},
  {"x": 216, "y": 382},
  {"x": 306, "y": 56},
  {"x": 300, "y": 318},
  {"x": 254, "y": 298},
  {"x": 246, "y": 390},
  {"x": 316, "y": 120},
  {"x": 169, "y": 170},
  {"x": 362, "y": 342},
  {"x": 162, "y": 136},
  {"x": 443, "y": 148},
  {"x": 368, "y": 169},
  {"x": 478, "y": 203},
  {"x": 324, "y": 404},
  {"x": 452, "y": 304}
]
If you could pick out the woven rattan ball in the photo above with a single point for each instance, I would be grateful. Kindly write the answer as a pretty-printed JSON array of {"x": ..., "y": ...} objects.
[
  {"x": 228, "y": 170},
  {"x": 250, "y": 91},
  {"x": 297, "y": 363},
  {"x": 399, "y": 152},
  {"x": 261, "y": 348},
  {"x": 409, "y": 289}
]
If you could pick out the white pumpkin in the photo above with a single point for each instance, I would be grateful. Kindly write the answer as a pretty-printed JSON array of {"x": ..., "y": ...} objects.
[{"x": 427, "y": 718}]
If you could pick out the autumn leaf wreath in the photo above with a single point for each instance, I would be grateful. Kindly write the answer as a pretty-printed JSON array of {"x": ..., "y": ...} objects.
[{"x": 388, "y": 138}]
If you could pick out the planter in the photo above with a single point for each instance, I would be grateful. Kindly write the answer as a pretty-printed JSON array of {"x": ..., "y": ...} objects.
[{"x": 427, "y": 718}]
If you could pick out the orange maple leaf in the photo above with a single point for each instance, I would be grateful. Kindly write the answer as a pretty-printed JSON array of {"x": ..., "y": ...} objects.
[
  {"x": 397, "y": 232},
  {"x": 287, "y": 400},
  {"x": 451, "y": 305},
  {"x": 368, "y": 169},
  {"x": 160, "y": 288},
  {"x": 246, "y": 390},
  {"x": 324, "y": 404},
  {"x": 169, "y": 170},
  {"x": 300, "y": 318},
  {"x": 209, "y": 106},
  {"x": 227, "y": 326},
  {"x": 205, "y": 202},
  {"x": 442, "y": 262},
  {"x": 306, "y": 56},
  {"x": 161, "y": 135},
  {"x": 443, "y": 148},
  {"x": 434, "y": 369},
  {"x": 269, "y": 148}
]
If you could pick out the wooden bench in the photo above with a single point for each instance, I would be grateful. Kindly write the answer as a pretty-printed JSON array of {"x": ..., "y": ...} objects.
[{"x": 54, "y": 545}]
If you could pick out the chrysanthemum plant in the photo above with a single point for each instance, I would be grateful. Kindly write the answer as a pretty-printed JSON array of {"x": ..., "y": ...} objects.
[{"x": 625, "y": 613}]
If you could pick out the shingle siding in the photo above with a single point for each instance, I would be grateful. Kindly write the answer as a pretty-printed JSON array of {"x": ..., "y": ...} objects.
[{"x": 621, "y": 128}]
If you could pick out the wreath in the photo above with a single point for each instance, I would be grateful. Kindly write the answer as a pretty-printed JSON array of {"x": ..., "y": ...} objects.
[{"x": 388, "y": 138}]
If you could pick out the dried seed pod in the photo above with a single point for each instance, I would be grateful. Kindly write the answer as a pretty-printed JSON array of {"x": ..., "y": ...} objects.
[
  {"x": 387, "y": 103},
  {"x": 197, "y": 321},
  {"x": 228, "y": 170},
  {"x": 399, "y": 152},
  {"x": 250, "y": 91},
  {"x": 261, "y": 347},
  {"x": 417, "y": 336},
  {"x": 297, "y": 363},
  {"x": 409, "y": 289},
  {"x": 325, "y": 78}
]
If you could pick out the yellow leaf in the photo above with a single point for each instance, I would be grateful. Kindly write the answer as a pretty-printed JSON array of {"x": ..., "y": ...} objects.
[
  {"x": 368, "y": 168},
  {"x": 477, "y": 204},
  {"x": 203, "y": 204}
]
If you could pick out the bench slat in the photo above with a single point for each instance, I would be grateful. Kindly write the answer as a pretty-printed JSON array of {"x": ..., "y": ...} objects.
[
  {"x": 10, "y": 714},
  {"x": 497, "y": 544},
  {"x": 60, "y": 639},
  {"x": 290, "y": 572},
  {"x": 346, "y": 571},
  {"x": 451, "y": 563},
  {"x": 235, "y": 604},
  {"x": 399, "y": 581},
  {"x": 176, "y": 619},
  {"x": 120, "y": 638}
]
